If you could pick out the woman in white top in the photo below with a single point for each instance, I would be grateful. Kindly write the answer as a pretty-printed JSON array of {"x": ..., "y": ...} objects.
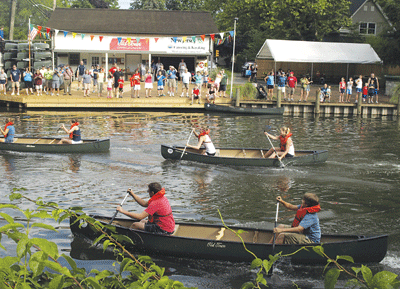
[
  {"x": 204, "y": 139},
  {"x": 3, "y": 81},
  {"x": 286, "y": 148},
  {"x": 217, "y": 83}
]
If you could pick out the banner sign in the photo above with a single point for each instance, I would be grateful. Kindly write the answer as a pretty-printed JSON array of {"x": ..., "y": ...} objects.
[
  {"x": 186, "y": 45},
  {"x": 132, "y": 45}
]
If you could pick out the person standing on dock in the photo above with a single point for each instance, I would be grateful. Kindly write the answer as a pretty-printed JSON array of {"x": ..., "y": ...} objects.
[
  {"x": 80, "y": 71},
  {"x": 67, "y": 76},
  {"x": 15, "y": 77},
  {"x": 292, "y": 83},
  {"x": 3, "y": 81},
  {"x": 281, "y": 81},
  {"x": 342, "y": 89},
  {"x": 8, "y": 132},
  {"x": 305, "y": 228},
  {"x": 376, "y": 85},
  {"x": 359, "y": 87},
  {"x": 349, "y": 90},
  {"x": 182, "y": 66},
  {"x": 158, "y": 211},
  {"x": 270, "y": 80},
  {"x": 171, "y": 80}
]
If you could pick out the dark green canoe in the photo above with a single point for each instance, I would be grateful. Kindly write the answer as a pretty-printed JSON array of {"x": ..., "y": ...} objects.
[
  {"x": 217, "y": 243},
  {"x": 244, "y": 110},
  {"x": 49, "y": 145},
  {"x": 242, "y": 156}
]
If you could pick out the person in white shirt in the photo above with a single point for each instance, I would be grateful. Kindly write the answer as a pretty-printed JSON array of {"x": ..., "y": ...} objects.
[{"x": 186, "y": 76}]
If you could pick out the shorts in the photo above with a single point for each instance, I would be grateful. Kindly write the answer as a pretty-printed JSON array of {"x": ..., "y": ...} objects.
[
  {"x": 109, "y": 88},
  {"x": 342, "y": 90},
  {"x": 160, "y": 87},
  {"x": 38, "y": 87},
  {"x": 9, "y": 139},
  {"x": 376, "y": 92},
  {"x": 289, "y": 156},
  {"x": 116, "y": 84},
  {"x": 358, "y": 90},
  {"x": 137, "y": 86},
  {"x": 2, "y": 81},
  {"x": 86, "y": 86},
  {"x": 213, "y": 154},
  {"x": 15, "y": 84},
  {"x": 154, "y": 228},
  {"x": 295, "y": 238},
  {"x": 282, "y": 88},
  {"x": 270, "y": 86},
  {"x": 28, "y": 84},
  {"x": 222, "y": 87},
  {"x": 291, "y": 90},
  {"x": 195, "y": 96},
  {"x": 364, "y": 96},
  {"x": 171, "y": 82},
  {"x": 349, "y": 91},
  {"x": 80, "y": 78},
  {"x": 211, "y": 96},
  {"x": 185, "y": 85},
  {"x": 148, "y": 85},
  {"x": 121, "y": 89},
  {"x": 94, "y": 81},
  {"x": 55, "y": 84},
  {"x": 76, "y": 142},
  {"x": 308, "y": 88}
]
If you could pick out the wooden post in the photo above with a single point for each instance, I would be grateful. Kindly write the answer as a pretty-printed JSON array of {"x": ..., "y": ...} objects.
[
  {"x": 398, "y": 106},
  {"x": 359, "y": 103},
  {"x": 317, "y": 103},
  {"x": 237, "y": 97},
  {"x": 279, "y": 98}
]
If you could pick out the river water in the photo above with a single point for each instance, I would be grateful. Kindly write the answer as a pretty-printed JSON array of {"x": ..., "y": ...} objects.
[{"x": 358, "y": 186}]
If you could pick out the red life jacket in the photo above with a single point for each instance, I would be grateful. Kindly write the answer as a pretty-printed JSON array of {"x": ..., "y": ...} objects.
[
  {"x": 301, "y": 213},
  {"x": 284, "y": 141},
  {"x": 71, "y": 135},
  {"x": 8, "y": 124},
  {"x": 155, "y": 219}
]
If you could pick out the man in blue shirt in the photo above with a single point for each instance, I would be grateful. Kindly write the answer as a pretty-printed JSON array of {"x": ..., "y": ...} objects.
[
  {"x": 281, "y": 82},
  {"x": 305, "y": 228},
  {"x": 171, "y": 80},
  {"x": 15, "y": 76}
]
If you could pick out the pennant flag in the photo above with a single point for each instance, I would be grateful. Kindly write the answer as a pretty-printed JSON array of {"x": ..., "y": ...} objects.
[
  {"x": 128, "y": 40},
  {"x": 39, "y": 28},
  {"x": 47, "y": 30},
  {"x": 32, "y": 33},
  {"x": 47, "y": 36},
  {"x": 203, "y": 37},
  {"x": 222, "y": 35},
  {"x": 56, "y": 31},
  {"x": 231, "y": 33},
  {"x": 119, "y": 39},
  {"x": 101, "y": 38},
  {"x": 156, "y": 39},
  {"x": 184, "y": 38},
  {"x": 83, "y": 36},
  {"x": 137, "y": 40},
  {"x": 73, "y": 34},
  {"x": 194, "y": 38},
  {"x": 174, "y": 38},
  {"x": 212, "y": 36}
]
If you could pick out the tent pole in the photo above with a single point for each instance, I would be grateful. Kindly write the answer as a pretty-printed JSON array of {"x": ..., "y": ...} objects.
[
  {"x": 312, "y": 71},
  {"x": 347, "y": 72}
]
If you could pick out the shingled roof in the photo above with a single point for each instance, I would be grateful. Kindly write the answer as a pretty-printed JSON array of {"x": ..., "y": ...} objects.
[
  {"x": 355, "y": 4},
  {"x": 119, "y": 21}
]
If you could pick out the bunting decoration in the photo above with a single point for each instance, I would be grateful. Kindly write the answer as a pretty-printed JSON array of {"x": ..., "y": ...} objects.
[
  {"x": 222, "y": 35},
  {"x": 56, "y": 31},
  {"x": 47, "y": 30},
  {"x": 65, "y": 33},
  {"x": 91, "y": 37},
  {"x": 212, "y": 36},
  {"x": 156, "y": 39},
  {"x": 128, "y": 40},
  {"x": 73, "y": 34},
  {"x": 39, "y": 28},
  {"x": 203, "y": 37},
  {"x": 119, "y": 39},
  {"x": 194, "y": 38},
  {"x": 175, "y": 38},
  {"x": 101, "y": 38},
  {"x": 231, "y": 33},
  {"x": 184, "y": 38},
  {"x": 83, "y": 36},
  {"x": 137, "y": 40}
]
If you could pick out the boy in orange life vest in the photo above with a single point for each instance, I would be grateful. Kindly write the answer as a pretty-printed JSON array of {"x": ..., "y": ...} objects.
[
  {"x": 305, "y": 228},
  {"x": 158, "y": 211}
]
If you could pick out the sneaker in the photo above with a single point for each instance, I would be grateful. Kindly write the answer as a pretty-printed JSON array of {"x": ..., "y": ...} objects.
[
  {"x": 199, "y": 102},
  {"x": 17, "y": 93},
  {"x": 12, "y": 93},
  {"x": 64, "y": 94},
  {"x": 57, "y": 94},
  {"x": 292, "y": 99},
  {"x": 376, "y": 101},
  {"x": 77, "y": 88}
]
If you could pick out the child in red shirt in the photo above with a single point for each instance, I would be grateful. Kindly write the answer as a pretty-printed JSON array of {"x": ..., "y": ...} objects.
[
  {"x": 196, "y": 94},
  {"x": 342, "y": 89},
  {"x": 365, "y": 92},
  {"x": 121, "y": 86}
]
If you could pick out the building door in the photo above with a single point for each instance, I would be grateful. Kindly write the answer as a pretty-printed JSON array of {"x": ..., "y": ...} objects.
[{"x": 132, "y": 62}]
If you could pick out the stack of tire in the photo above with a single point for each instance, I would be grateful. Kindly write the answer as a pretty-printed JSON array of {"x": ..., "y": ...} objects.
[
  {"x": 41, "y": 55},
  {"x": 10, "y": 58}
]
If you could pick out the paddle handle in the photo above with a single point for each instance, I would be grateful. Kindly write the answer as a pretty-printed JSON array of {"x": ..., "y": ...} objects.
[
  {"x": 186, "y": 144},
  {"x": 116, "y": 211},
  {"x": 282, "y": 165},
  {"x": 276, "y": 221}
]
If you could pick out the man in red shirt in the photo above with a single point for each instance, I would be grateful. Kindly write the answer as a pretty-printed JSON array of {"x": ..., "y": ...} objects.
[
  {"x": 292, "y": 83},
  {"x": 158, "y": 211},
  {"x": 113, "y": 69}
]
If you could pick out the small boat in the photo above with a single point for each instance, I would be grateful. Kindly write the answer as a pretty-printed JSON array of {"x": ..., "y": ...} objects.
[
  {"x": 49, "y": 145},
  {"x": 218, "y": 243},
  {"x": 242, "y": 156},
  {"x": 244, "y": 110}
]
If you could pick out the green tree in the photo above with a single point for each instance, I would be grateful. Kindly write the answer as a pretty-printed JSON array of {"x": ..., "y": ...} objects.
[
  {"x": 184, "y": 4},
  {"x": 148, "y": 4}
]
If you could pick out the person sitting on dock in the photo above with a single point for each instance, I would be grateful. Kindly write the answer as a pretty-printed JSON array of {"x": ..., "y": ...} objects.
[
  {"x": 205, "y": 139},
  {"x": 74, "y": 133},
  {"x": 158, "y": 211},
  {"x": 305, "y": 228},
  {"x": 286, "y": 148},
  {"x": 8, "y": 132}
]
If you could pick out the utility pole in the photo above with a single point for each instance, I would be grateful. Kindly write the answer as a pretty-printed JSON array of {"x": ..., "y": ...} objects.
[{"x": 12, "y": 19}]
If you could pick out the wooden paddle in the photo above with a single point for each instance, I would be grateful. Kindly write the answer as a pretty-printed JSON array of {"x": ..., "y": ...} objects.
[
  {"x": 273, "y": 241},
  {"x": 186, "y": 144},
  {"x": 116, "y": 211},
  {"x": 282, "y": 165}
]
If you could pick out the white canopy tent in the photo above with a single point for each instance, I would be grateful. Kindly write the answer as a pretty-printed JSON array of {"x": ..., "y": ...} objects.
[{"x": 318, "y": 52}]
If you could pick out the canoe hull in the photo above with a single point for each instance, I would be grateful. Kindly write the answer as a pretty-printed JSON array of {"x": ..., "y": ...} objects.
[
  {"x": 304, "y": 158},
  {"x": 362, "y": 249},
  {"x": 49, "y": 145},
  {"x": 244, "y": 110}
]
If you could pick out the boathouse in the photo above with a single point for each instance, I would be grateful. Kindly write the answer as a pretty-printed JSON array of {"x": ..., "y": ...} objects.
[
  {"x": 131, "y": 37},
  {"x": 332, "y": 60}
]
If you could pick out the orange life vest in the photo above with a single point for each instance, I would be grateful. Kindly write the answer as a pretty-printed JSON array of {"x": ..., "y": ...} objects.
[
  {"x": 204, "y": 132},
  {"x": 155, "y": 219},
  {"x": 71, "y": 135},
  {"x": 301, "y": 213},
  {"x": 284, "y": 141}
]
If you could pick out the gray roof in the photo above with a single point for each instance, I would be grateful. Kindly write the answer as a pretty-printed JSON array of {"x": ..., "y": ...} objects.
[
  {"x": 355, "y": 4},
  {"x": 119, "y": 21}
]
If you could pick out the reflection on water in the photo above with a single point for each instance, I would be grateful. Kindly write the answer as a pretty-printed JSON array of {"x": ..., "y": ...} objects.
[{"x": 357, "y": 186}]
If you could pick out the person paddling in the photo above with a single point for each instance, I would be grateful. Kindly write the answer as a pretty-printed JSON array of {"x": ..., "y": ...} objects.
[
  {"x": 8, "y": 132},
  {"x": 74, "y": 133},
  {"x": 286, "y": 148},
  {"x": 205, "y": 139},
  {"x": 158, "y": 211},
  {"x": 305, "y": 228}
]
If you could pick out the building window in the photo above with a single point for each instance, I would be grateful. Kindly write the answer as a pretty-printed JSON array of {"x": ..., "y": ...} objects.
[
  {"x": 74, "y": 58},
  {"x": 365, "y": 8},
  {"x": 368, "y": 28},
  {"x": 372, "y": 8},
  {"x": 95, "y": 60}
]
